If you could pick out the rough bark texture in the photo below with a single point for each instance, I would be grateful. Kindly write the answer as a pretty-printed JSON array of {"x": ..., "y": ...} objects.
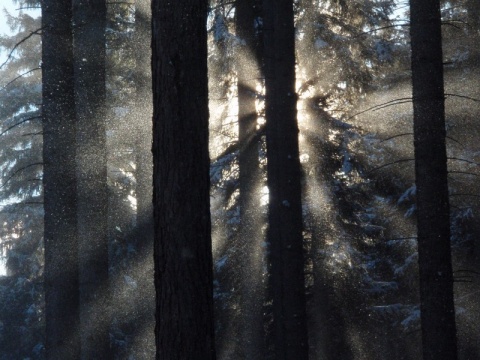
[
  {"x": 433, "y": 212},
  {"x": 283, "y": 165},
  {"x": 89, "y": 50},
  {"x": 59, "y": 183},
  {"x": 250, "y": 233},
  {"x": 182, "y": 250}
]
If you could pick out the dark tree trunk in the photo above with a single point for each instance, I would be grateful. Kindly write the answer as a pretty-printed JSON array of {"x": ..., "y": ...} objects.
[
  {"x": 250, "y": 232},
  {"x": 89, "y": 50},
  {"x": 283, "y": 165},
  {"x": 473, "y": 13},
  {"x": 144, "y": 341},
  {"x": 59, "y": 183},
  {"x": 433, "y": 211},
  {"x": 182, "y": 249}
]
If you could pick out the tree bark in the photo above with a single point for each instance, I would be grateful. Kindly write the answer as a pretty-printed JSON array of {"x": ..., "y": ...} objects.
[
  {"x": 433, "y": 211},
  {"x": 59, "y": 183},
  {"x": 473, "y": 16},
  {"x": 182, "y": 249},
  {"x": 284, "y": 177},
  {"x": 144, "y": 340},
  {"x": 89, "y": 51},
  {"x": 250, "y": 234}
]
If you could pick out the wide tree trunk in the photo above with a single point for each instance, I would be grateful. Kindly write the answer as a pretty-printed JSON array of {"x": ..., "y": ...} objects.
[
  {"x": 433, "y": 211},
  {"x": 250, "y": 231},
  {"x": 59, "y": 184},
  {"x": 182, "y": 250},
  {"x": 284, "y": 177},
  {"x": 89, "y": 50}
]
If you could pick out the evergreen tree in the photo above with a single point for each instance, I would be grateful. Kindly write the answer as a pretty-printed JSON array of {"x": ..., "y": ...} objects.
[
  {"x": 143, "y": 234},
  {"x": 21, "y": 211},
  {"x": 182, "y": 251},
  {"x": 283, "y": 165},
  {"x": 433, "y": 210},
  {"x": 60, "y": 199},
  {"x": 248, "y": 64},
  {"x": 89, "y": 52}
]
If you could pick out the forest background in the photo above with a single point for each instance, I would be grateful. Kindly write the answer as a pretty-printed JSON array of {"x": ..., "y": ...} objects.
[{"x": 359, "y": 198}]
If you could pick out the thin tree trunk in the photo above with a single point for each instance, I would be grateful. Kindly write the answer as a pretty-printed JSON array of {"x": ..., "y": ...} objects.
[
  {"x": 89, "y": 50},
  {"x": 250, "y": 233},
  {"x": 144, "y": 340},
  {"x": 433, "y": 211},
  {"x": 59, "y": 183},
  {"x": 283, "y": 165},
  {"x": 182, "y": 250}
]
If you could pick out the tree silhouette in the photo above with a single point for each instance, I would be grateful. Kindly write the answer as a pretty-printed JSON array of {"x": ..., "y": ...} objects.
[
  {"x": 433, "y": 209},
  {"x": 182, "y": 249}
]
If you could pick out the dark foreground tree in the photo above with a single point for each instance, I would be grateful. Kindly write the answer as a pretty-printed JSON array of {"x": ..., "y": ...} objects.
[
  {"x": 89, "y": 51},
  {"x": 283, "y": 166},
  {"x": 433, "y": 210},
  {"x": 59, "y": 182},
  {"x": 182, "y": 250}
]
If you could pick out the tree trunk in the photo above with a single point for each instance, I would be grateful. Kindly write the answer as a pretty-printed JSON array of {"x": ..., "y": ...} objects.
[
  {"x": 182, "y": 251},
  {"x": 283, "y": 165},
  {"x": 433, "y": 211},
  {"x": 144, "y": 340},
  {"x": 250, "y": 232},
  {"x": 59, "y": 183},
  {"x": 89, "y": 50},
  {"x": 473, "y": 16}
]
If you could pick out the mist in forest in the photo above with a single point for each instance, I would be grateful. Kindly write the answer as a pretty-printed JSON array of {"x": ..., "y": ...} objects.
[{"x": 356, "y": 153}]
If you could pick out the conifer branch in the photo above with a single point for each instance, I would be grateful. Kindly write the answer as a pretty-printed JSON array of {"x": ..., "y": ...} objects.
[
  {"x": 21, "y": 75},
  {"x": 463, "y": 97},
  {"x": 19, "y": 123},
  {"x": 402, "y": 238},
  {"x": 19, "y": 170},
  {"x": 28, "y": 8},
  {"x": 381, "y": 106},
  {"x": 454, "y": 140},
  {"x": 395, "y": 136},
  {"x": 462, "y": 172},
  {"x": 389, "y": 164},
  {"x": 382, "y": 28},
  {"x": 10, "y": 54},
  {"x": 33, "y": 134},
  {"x": 463, "y": 160}
]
